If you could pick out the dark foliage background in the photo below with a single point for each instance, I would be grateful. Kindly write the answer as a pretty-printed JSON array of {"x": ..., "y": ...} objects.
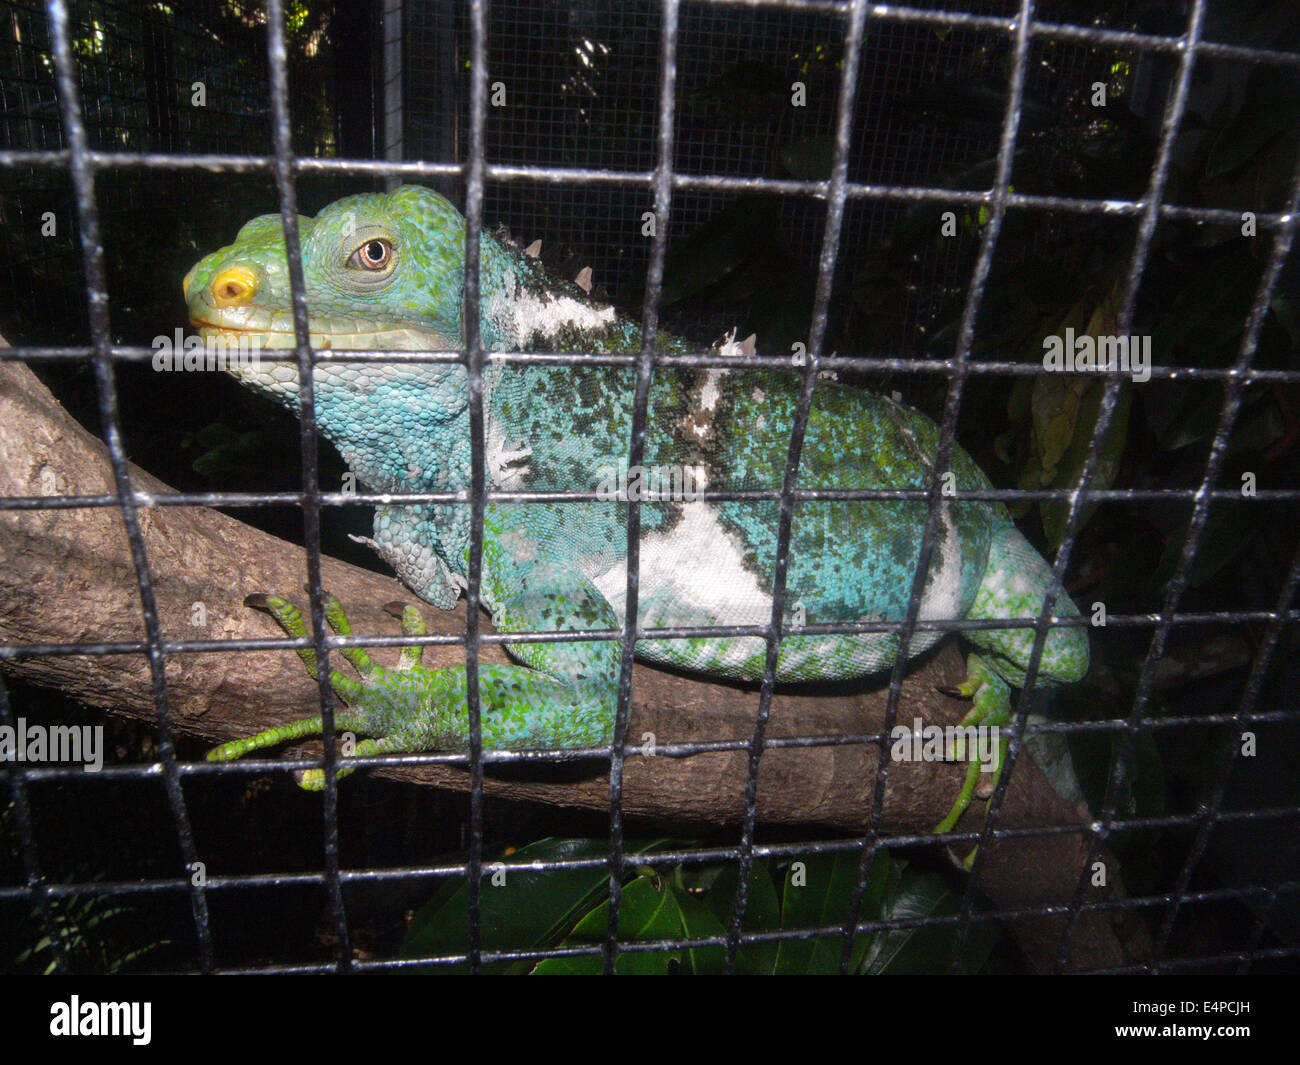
[{"x": 581, "y": 84}]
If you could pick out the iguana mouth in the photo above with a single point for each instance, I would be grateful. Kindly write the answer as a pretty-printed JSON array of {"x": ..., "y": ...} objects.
[
  {"x": 264, "y": 338},
  {"x": 353, "y": 336}
]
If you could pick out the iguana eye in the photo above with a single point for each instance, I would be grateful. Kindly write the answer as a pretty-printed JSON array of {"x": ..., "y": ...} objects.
[{"x": 374, "y": 255}]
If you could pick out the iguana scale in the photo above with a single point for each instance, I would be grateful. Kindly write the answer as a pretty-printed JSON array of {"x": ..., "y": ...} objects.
[{"x": 387, "y": 271}]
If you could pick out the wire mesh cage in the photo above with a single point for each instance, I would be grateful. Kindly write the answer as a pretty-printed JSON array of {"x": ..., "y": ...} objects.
[{"x": 945, "y": 204}]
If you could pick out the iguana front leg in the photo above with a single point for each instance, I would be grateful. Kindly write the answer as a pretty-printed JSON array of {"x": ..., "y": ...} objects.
[
  {"x": 563, "y": 697},
  {"x": 381, "y": 694}
]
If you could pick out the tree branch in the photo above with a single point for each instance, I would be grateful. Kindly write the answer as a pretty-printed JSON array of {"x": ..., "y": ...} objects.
[{"x": 66, "y": 576}]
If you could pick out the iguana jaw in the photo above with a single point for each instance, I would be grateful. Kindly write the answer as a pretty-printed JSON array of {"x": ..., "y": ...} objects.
[
  {"x": 248, "y": 349},
  {"x": 274, "y": 332}
]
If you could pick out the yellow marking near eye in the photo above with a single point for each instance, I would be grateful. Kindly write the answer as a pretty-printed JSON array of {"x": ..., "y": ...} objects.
[{"x": 233, "y": 285}]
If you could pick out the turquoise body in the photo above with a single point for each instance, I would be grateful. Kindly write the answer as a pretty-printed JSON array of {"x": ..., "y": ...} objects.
[{"x": 388, "y": 271}]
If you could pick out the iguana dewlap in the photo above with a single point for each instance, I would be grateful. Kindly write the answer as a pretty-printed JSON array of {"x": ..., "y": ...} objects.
[{"x": 387, "y": 271}]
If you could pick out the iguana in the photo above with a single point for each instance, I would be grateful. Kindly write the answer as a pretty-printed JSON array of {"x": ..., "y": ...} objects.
[{"x": 387, "y": 271}]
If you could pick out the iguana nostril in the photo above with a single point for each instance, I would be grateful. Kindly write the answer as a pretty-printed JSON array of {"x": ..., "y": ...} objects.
[{"x": 235, "y": 284}]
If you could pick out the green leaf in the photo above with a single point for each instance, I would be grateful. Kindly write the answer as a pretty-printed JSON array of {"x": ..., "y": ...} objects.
[
  {"x": 699, "y": 921},
  {"x": 225, "y": 449},
  {"x": 762, "y": 912},
  {"x": 1260, "y": 429},
  {"x": 1055, "y": 404},
  {"x": 1195, "y": 418},
  {"x": 1072, "y": 460},
  {"x": 818, "y": 891},
  {"x": 531, "y": 909},
  {"x": 1201, "y": 325},
  {"x": 1269, "y": 105},
  {"x": 723, "y": 244},
  {"x": 1228, "y": 529},
  {"x": 905, "y": 951},
  {"x": 650, "y": 908}
]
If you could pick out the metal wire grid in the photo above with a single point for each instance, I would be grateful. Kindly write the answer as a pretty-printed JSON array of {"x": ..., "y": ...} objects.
[
  {"x": 124, "y": 110},
  {"x": 83, "y": 163},
  {"x": 603, "y": 57},
  {"x": 137, "y": 71}
]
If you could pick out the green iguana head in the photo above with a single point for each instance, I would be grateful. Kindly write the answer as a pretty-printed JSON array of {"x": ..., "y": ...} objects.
[{"x": 381, "y": 271}]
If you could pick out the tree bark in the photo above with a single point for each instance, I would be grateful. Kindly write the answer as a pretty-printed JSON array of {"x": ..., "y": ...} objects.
[{"x": 66, "y": 576}]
